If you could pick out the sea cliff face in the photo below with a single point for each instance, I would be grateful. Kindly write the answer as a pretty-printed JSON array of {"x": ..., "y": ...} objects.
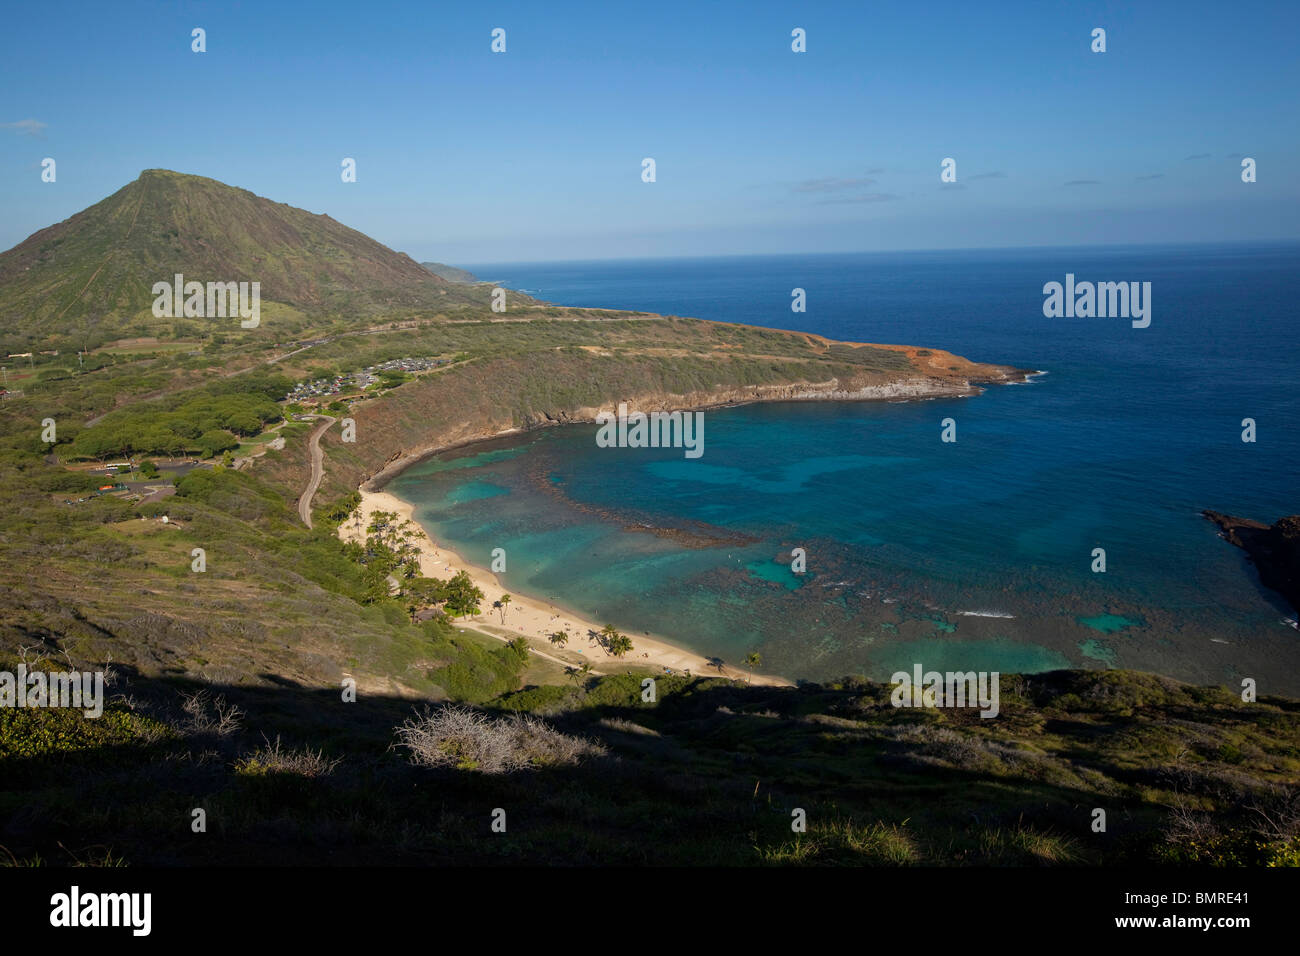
[
  {"x": 1273, "y": 549},
  {"x": 909, "y": 388}
]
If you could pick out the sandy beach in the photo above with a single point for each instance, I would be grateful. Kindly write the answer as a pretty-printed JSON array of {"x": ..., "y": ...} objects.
[{"x": 535, "y": 618}]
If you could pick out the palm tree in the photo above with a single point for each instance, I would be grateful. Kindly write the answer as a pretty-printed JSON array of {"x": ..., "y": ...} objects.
[
  {"x": 578, "y": 674},
  {"x": 558, "y": 638},
  {"x": 502, "y": 604},
  {"x": 752, "y": 660},
  {"x": 607, "y": 634}
]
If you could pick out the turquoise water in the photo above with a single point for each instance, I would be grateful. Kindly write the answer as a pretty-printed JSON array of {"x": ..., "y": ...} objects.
[
  {"x": 778, "y": 572},
  {"x": 975, "y": 554},
  {"x": 1109, "y": 623},
  {"x": 1098, "y": 651},
  {"x": 475, "y": 491}
]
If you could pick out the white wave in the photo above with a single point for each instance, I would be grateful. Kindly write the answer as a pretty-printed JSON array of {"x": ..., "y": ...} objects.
[
  {"x": 1029, "y": 379},
  {"x": 1001, "y": 614}
]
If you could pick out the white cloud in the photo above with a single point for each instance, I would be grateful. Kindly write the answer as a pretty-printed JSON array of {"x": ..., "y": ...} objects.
[{"x": 27, "y": 127}]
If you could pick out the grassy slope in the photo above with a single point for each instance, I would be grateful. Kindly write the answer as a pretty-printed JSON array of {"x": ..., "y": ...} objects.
[{"x": 709, "y": 774}]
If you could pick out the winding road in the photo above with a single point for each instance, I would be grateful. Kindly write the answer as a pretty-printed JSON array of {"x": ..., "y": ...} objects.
[{"x": 317, "y": 469}]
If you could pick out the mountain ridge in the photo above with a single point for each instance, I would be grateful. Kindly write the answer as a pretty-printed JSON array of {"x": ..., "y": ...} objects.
[{"x": 93, "y": 272}]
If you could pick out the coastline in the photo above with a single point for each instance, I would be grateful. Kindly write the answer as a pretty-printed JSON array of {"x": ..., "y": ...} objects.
[
  {"x": 910, "y": 389},
  {"x": 532, "y": 617}
]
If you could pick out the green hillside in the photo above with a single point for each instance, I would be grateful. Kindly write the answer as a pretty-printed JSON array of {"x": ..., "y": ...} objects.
[{"x": 88, "y": 279}]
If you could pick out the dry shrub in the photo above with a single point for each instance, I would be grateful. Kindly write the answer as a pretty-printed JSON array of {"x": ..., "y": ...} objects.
[
  {"x": 275, "y": 758},
  {"x": 627, "y": 727},
  {"x": 454, "y": 736},
  {"x": 206, "y": 714}
]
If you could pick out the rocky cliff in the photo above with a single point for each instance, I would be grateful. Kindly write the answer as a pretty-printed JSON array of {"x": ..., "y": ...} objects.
[{"x": 1273, "y": 549}]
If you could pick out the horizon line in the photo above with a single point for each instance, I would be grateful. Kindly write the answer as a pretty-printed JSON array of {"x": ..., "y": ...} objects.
[{"x": 873, "y": 252}]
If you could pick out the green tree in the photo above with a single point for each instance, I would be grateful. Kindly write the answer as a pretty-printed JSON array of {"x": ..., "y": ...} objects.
[
  {"x": 213, "y": 443},
  {"x": 391, "y": 545},
  {"x": 463, "y": 596},
  {"x": 338, "y": 511},
  {"x": 502, "y": 604},
  {"x": 753, "y": 660},
  {"x": 243, "y": 422},
  {"x": 376, "y": 587},
  {"x": 558, "y": 638},
  {"x": 424, "y": 591}
]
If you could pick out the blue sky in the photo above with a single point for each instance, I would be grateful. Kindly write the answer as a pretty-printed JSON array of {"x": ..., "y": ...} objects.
[{"x": 464, "y": 155}]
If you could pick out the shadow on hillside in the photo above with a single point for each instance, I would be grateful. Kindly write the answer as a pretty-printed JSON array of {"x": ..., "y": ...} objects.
[{"x": 711, "y": 774}]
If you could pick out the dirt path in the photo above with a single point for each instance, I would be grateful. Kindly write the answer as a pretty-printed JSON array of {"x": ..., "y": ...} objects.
[
  {"x": 317, "y": 469},
  {"x": 532, "y": 649}
]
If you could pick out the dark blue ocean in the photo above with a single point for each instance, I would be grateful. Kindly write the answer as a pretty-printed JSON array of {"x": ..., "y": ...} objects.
[{"x": 974, "y": 554}]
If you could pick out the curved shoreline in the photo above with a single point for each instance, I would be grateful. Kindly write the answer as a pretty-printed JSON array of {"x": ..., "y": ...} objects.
[
  {"x": 911, "y": 389},
  {"x": 533, "y": 618}
]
